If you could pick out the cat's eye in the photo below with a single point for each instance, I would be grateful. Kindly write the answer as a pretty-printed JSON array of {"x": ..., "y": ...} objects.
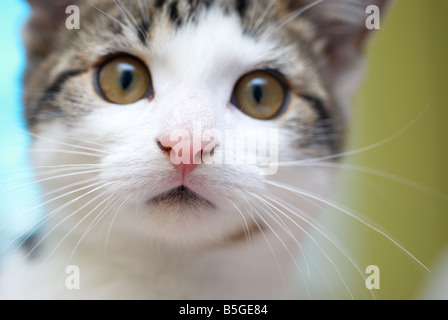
[
  {"x": 124, "y": 80},
  {"x": 260, "y": 94}
]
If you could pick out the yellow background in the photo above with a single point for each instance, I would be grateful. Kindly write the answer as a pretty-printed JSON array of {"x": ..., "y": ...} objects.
[{"x": 406, "y": 87}]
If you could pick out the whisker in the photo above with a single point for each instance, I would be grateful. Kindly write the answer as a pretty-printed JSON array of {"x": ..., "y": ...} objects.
[
  {"x": 43, "y": 219},
  {"x": 50, "y": 178},
  {"x": 295, "y": 211},
  {"x": 68, "y": 217},
  {"x": 143, "y": 10},
  {"x": 288, "y": 231},
  {"x": 128, "y": 15},
  {"x": 263, "y": 15},
  {"x": 46, "y": 203},
  {"x": 361, "y": 150},
  {"x": 252, "y": 213},
  {"x": 293, "y": 15},
  {"x": 79, "y": 222},
  {"x": 379, "y": 173},
  {"x": 282, "y": 243},
  {"x": 109, "y": 230},
  {"x": 246, "y": 226},
  {"x": 32, "y": 169},
  {"x": 284, "y": 227},
  {"x": 36, "y": 136},
  {"x": 43, "y": 196},
  {"x": 32, "y": 174},
  {"x": 271, "y": 206},
  {"x": 144, "y": 15},
  {"x": 308, "y": 194},
  {"x": 124, "y": 26},
  {"x": 94, "y": 222},
  {"x": 62, "y": 151}
]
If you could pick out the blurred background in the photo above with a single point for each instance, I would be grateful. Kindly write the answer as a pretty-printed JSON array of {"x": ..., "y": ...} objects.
[
  {"x": 13, "y": 141},
  {"x": 407, "y": 76},
  {"x": 400, "y": 184},
  {"x": 397, "y": 183}
]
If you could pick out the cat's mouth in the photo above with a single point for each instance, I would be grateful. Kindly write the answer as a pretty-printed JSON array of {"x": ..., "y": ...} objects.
[{"x": 182, "y": 196}]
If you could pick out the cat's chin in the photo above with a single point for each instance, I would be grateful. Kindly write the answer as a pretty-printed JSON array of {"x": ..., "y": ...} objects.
[
  {"x": 183, "y": 217},
  {"x": 181, "y": 198}
]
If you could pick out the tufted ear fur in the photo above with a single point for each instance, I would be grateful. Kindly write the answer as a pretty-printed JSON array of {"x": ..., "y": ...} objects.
[
  {"x": 341, "y": 24},
  {"x": 341, "y": 28}
]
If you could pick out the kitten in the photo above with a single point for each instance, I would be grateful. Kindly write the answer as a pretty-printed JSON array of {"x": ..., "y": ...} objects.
[{"x": 131, "y": 116}]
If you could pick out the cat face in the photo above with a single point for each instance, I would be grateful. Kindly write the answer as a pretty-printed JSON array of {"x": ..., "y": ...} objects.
[{"x": 179, "y": 112}]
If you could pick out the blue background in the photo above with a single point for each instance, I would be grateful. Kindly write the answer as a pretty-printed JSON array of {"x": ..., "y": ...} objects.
[
  {"x": 13, "y": 140},
  {"x": 406, "y": 72}
]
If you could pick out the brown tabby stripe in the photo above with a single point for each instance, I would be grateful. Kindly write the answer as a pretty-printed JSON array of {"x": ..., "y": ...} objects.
[
  {"x": 241, "y": 7},
  {"x": 49, "y": 94},
  {"x": 142, "y": 31},
  {"x": 175, "y": 16}
]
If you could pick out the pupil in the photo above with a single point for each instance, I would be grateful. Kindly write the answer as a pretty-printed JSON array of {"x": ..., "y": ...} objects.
[
  {"x": 258, "y": 94},
  {"x": 126, "y": 80}
]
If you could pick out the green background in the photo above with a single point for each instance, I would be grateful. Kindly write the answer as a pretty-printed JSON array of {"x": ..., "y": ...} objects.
[
  {"x": 402, "y": 102},
  {"x": 405, "y": 87}
]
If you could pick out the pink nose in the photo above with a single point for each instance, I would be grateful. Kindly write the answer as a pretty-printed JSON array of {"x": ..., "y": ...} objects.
[{"x": 186, "y": 153}]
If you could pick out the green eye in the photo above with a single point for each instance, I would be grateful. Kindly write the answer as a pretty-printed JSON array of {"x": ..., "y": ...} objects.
[
  {"x": 124, "y": 80},
  {"x": 260, "y": 94}
]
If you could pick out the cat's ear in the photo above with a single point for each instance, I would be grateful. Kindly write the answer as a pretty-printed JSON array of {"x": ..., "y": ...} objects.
[
  {"x": 47, "y": 17},
  {"x": 344, "y": 26}
]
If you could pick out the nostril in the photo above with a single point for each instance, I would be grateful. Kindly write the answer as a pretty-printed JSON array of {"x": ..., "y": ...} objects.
[
  {"x": 163, "y": 148},
  {"x": 186, "y": 151}
]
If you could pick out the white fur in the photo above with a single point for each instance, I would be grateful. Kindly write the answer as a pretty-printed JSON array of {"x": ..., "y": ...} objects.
[{"x": 135, "y": 253}]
